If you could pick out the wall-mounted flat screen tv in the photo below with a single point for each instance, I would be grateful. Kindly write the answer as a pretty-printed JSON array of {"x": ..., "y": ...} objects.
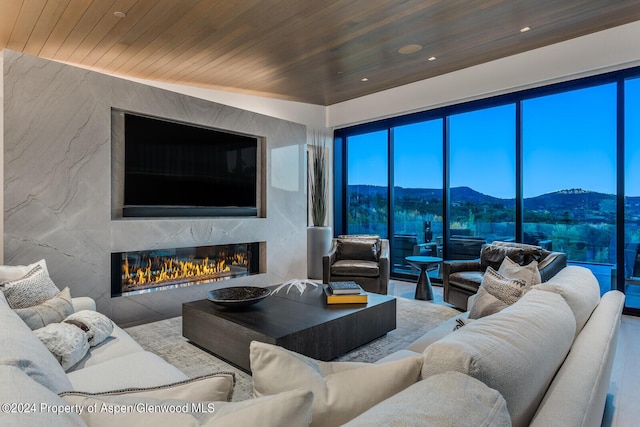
[{"x": 178, "y": 169}]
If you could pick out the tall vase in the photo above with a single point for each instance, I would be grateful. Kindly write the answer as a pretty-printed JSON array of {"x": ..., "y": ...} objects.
[{"x": 318, "y": 243}]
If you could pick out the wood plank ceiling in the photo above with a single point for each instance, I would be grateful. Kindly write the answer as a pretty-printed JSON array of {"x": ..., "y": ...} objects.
[{"x": 313, "y": 51}]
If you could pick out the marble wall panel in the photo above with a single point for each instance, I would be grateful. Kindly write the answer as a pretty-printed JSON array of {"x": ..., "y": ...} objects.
[{"x": 58, "y": 179}]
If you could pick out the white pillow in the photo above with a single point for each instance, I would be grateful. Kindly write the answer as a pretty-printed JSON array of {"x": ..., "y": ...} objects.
[
  {"x": 341, "y": 390},
  {"x": 66, "y": 342},
  {"x": 32, "y": 289},
  {"x": 97, "y": 326},
  {"x": 14, "y": 272},
  {"x": 53, "y": 310},
  {"x": 285, "y": 409}
]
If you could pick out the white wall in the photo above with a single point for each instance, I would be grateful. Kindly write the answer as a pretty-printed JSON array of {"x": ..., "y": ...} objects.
[{"x": 608, "y": 50}]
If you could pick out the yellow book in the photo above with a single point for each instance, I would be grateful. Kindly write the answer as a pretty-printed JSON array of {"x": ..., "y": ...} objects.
[{"x": 360, "y": 298}]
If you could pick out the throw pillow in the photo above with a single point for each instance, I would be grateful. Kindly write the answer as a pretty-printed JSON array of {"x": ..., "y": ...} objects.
[
  {"x": 285, "y": 409},
  {"x": 529, "y": 272},
  {"x": 66, "y": 342},
  {"x": 32, "y": 289},
  {"x": 341, "y": 390},
  {"x": 97, "y": 326},
  {"x": 495, "y": 293},
  {"x": 217, "y": 386},
  {"x": 368, "y": 237},
  {"x": 493, "y": 255},
  {"x": 15, "y": 272},
  {"x": 453, "y": 399},
  {"x": 356, "y": 249},
  {"x": 51, "y": 311}
]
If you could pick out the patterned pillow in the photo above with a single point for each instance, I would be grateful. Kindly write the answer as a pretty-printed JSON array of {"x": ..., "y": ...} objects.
[
  {"x": 34, "y": 288},
  {"x": 53, "y": 310},
  {"x": 529, "y": 273},
  {"x": 495, "y": 293}
]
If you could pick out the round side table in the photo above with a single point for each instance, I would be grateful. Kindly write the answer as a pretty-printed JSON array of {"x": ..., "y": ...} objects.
[{"x": 424, "y": 291}]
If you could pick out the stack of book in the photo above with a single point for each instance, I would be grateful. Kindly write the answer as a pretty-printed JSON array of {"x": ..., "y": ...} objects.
[{"x": 345, "y": 293}]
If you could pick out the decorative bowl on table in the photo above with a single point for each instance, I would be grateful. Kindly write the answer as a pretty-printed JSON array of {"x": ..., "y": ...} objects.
[{"x": 238, "y": 296}]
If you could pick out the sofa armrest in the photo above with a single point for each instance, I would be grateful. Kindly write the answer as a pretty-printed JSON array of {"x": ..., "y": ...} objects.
[
  {"x": 554, "y": 266},
  {"x": 83, "y": 303},
  {"x": 450, "y": 267},
  {"x": 327, "y": 260},
  {"x": 384, "y": 266}
]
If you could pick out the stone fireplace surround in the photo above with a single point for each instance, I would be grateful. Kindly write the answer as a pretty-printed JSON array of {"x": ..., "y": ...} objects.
[{"x": 57, "y": 186}]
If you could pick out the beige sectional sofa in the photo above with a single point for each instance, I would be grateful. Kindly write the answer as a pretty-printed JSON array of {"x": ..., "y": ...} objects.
[{"x": 544, "y": 361}]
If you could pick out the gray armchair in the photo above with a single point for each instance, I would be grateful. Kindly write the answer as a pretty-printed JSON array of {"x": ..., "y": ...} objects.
[
  {"x": 461, "y": 279},
  {"x": 362, "y": 259}
]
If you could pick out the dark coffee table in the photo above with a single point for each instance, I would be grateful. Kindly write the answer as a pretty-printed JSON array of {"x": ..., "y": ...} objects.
[{"x": 304, "y": 324}]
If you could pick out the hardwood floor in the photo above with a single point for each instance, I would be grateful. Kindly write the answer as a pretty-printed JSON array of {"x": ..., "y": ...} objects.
[{"x": 622, "y": 408}]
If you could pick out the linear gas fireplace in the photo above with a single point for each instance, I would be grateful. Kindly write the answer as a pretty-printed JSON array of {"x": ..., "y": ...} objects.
[{"x": 147, "y": 271}]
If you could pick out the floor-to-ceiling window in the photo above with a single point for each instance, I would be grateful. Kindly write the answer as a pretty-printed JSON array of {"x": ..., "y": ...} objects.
[
  {"x": 417, "y": 195},
  {"x": 631, "y": 270},
  {"x": 368, "y": 184},
  {"x": 569, "y": 173},
  {"x": 482, "y": 146},
  {"x": 545, "y": 166}
]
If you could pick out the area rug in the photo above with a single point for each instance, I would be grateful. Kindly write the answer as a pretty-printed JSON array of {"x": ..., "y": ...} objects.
[{"x": 165, "y": 339}]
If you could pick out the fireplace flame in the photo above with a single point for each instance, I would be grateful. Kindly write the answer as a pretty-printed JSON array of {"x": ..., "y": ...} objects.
[{"x": 166, "y": 270}]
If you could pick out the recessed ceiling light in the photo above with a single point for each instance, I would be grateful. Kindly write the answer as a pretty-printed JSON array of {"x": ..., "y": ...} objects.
[
  {"x": 410, "y": 48},
  {"x": 431, "y": 58},
  {"x": 119, "y": 14},
  {"x": 364, "y": 79},
  {"x": 524, "y": 29}
]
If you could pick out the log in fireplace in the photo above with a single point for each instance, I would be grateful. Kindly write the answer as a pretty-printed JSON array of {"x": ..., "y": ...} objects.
[{"x": 138, "y": 272}]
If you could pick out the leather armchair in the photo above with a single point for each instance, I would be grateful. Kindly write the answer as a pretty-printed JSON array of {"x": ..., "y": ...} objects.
[
  {"x": 461, "y": 279},
  {"x": 350, "y": 259}
]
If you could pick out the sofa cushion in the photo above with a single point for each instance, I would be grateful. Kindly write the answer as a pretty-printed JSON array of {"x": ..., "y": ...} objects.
[
  {"x": 579, "y": 288},
  {"x": 66, "y": 342},
  {"x": 353, "y": 267},
  {"x": 529, "y": 272},
  {"x": 53, "y": 310},
  {"x": 362, "y": 249},
  {"x": 118, "y": 344},
  {"x": 97, "y": 326},
  {"x": 140, "y": 369},
  {"x": 17, "y": 388},
  {"x": 32, "y": 289},
  {"x": 284, "y": 409},
  {"x": 19, "y": 347},
  {"x": 516, "y": 351},
  {"x": 15, "y": 272},
  {"x": 493, "y": 255},
  {"x": 448, "y": 399},
  {"x": 367, "y": 237},
  {"x": 217, "y": 386},
  {"x": 495, "y": 293},
  {"x": 342, "y": 390},
  {"x": 436, "y": 333}
]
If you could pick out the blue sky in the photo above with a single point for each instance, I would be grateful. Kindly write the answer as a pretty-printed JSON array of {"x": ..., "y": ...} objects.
[{"x": 569, "y": 141}]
